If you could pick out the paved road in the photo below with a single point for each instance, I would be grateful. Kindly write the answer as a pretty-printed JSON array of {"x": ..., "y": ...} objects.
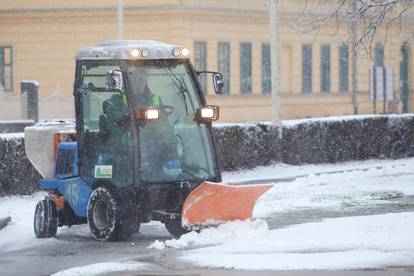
[{"x": 76, "y": 247}]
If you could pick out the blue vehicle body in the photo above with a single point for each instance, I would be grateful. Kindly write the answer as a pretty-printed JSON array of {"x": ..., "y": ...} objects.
[{"x": 67, "y": 182}]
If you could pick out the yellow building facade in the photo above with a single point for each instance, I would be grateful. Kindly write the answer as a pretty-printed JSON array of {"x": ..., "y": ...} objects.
[{"x": 39, "y": 39}]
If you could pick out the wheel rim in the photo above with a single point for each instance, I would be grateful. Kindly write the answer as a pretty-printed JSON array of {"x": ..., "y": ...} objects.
[{"x": 101, "y": 215}]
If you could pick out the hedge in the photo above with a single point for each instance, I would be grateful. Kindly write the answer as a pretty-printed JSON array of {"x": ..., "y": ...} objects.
[{"x": 244, "y": 146}]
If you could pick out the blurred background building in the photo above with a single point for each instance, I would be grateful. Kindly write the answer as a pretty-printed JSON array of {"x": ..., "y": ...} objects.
[{"x": 39, "y": 39}]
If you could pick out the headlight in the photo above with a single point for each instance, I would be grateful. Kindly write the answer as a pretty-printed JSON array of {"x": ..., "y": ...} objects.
[
  {"x": 152, "y": 114},
  {"x": 147, "y": 114},
  {"x": 208, "y": 113}
]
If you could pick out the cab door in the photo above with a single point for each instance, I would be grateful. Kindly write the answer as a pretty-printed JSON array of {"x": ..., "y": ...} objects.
[{"x": 104, "y": 134}]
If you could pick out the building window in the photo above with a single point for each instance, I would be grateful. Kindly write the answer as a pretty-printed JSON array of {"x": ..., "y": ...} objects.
[
  {"x": 343, "y": 68},
  {"x": 325, "y": 68},
  {"x": 224, "y": 64},
  {"x": 307, "y": 68},
  {"x": 379, "y": 55},
  {"x": 6, "y": 68},
  {"x": 266, "y": 69},
  {"x": 200, "y": 62},
  {"x": 246, "y": 68}
]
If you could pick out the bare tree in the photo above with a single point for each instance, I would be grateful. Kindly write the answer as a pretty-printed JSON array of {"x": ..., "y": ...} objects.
[{"x": 362, "y": 18}]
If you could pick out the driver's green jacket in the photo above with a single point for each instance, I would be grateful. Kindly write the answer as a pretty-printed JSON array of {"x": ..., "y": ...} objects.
[
  {"x": 116, "y": 111},
  {"x": 155, "y": 100}
]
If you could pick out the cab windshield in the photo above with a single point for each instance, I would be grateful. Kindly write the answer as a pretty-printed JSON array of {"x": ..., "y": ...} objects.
[{"x": 176, "y": 147}]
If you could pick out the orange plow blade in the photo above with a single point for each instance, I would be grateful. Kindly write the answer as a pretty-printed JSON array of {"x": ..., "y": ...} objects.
[{"x": 213, "y": 203}]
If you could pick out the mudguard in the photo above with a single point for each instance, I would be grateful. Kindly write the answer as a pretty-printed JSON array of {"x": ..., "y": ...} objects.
[
  {"x": 215, "y": 203},
  {"x": 74, "y": 190}
]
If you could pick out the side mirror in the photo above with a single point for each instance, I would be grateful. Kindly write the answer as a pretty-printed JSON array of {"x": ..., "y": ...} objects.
[
  {"x": 207, "y": 114},
  {"x": 114, "y": 80},
  {"x": 218, "y": 83}
]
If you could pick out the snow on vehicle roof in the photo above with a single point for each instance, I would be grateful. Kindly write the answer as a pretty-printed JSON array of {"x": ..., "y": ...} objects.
[{"x": 131, "y": 49}]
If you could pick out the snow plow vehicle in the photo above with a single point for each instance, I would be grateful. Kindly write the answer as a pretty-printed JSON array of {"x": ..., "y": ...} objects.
[{"x": 141, "y": 148}]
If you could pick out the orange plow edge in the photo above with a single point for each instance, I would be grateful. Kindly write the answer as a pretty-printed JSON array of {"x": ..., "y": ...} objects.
[{"x": 214, "y": 203}]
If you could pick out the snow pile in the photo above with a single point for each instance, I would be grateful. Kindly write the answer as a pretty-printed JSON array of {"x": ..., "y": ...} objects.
[
  {"x": 343, "y": 243},
  {"x": 235, "y": 230},
  {"x": 101, "y": 268}
]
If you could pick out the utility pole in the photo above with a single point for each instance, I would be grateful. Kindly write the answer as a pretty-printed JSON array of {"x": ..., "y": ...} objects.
[
  {"x": 354, "y": 56},
  {"x": 275, "y": 65},
  {"x": 120, "y": 19}
]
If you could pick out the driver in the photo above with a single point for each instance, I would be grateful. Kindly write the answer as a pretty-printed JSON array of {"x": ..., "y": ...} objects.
[
  {"x": 158, "y": 141},
  {"x": 138, "y": 80}
]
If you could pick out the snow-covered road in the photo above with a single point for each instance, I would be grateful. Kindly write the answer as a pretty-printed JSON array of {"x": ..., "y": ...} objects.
[{"x": 354, "y": 215}]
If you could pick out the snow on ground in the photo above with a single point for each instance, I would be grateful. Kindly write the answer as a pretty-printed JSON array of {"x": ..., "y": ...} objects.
[
  {"x": 342, "y": 243},
  {"x": 102, "y": 268},
  {"x": 323, "y": 186},
  {"x": 374, "y": 241},
  {"x": 19, "y": 233},
  {"x": 281, "y": 170}
]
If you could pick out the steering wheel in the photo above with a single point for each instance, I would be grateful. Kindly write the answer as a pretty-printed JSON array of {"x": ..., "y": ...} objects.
[{"x": 167, "y": 109}]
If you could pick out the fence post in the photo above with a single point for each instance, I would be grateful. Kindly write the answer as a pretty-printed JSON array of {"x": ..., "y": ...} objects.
[{"x": 32, "y": 108}]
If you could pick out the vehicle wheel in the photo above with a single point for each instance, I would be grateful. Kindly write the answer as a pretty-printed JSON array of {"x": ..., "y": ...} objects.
[
  {"x": 107, "y": 217},
  {"x": 45, "y": 219},
  {"x": 174, "y": 227}
]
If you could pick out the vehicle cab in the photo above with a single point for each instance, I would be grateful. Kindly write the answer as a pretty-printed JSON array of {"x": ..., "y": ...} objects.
[{"x": 143, "y": 125}]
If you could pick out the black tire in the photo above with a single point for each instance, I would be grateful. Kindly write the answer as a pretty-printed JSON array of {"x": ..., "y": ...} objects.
[
  {"x": 45, "y": 222},
  {"x": 174, "y": 227},
  {"x": 107, "y": 218}
]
